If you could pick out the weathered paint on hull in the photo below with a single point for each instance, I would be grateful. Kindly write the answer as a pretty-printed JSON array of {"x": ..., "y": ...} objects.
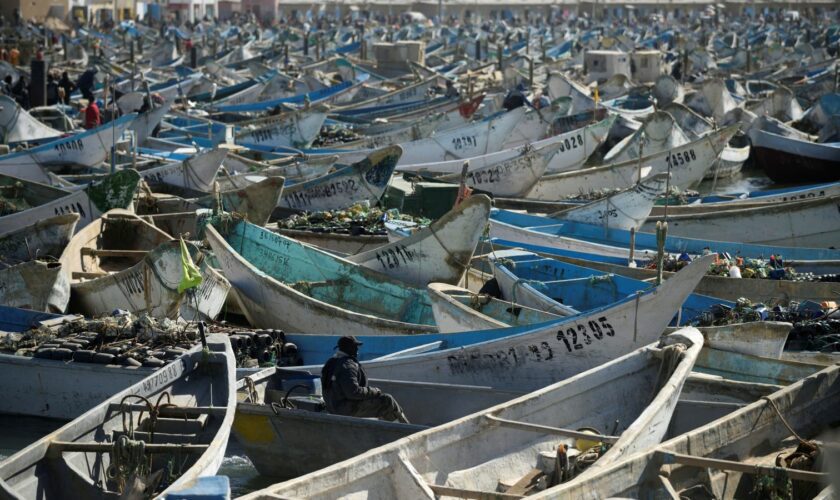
[
  {"x": 57, "y": 389},
  {"x": 438, "y": 253},
  {"x": 36, "y": 285},
  {"x": 45, "y": 238},
  {"x": 365, "y": 180}
]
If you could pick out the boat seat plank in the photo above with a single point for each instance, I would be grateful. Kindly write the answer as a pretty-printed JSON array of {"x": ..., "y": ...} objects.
[
  {"x": 731, "y": 465},
  {"x": 569, "y": 281},
  {"x": 525, "y": 483},
  {"x": 175, "y": 411},
  {"x": 545, "y": 429},
  {"x": 162, "y": 437},
  {"x": 82, "y": 447},
  {"x": 96, "y": 252},
  {"x": 175, "y": 425}
]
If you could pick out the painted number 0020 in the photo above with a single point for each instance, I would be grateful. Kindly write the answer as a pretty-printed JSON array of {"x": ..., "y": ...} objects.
[{"x": 576, "y": 336}]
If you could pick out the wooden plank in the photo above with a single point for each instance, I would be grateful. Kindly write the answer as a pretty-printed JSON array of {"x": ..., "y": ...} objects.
[
  {"x": 70, "y": 446},
  {"x": 525, "y": 483},
  {"x": 731, "y": 465},
  {"x": 175, "y": 411},
  {"x": 471, "y": 494},
  {"x": 525, "y": 426},
  {"x": 113, "y": 253}
]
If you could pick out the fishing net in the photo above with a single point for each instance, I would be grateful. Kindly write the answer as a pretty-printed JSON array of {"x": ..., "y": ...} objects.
[{"x": 356, "y": 220}]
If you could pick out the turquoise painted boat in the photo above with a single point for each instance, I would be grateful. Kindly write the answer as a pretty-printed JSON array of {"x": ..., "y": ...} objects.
[{"x": 287, "y": 284}]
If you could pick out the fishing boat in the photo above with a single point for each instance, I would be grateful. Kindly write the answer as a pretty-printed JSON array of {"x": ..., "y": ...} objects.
[
  {"x": 459, "y": 310},
  {"x": 787, "y": 155},
  {"x": 195, "y": 173},
  {"x": 266, "y": 417},
  {"x": 362, "y": 181},
  {"x": 39, "y": 285},
  {"x": 146, "y": 123},
  {"x": 297, "y": 129},
  {"x": 17, "y": 125},
  {"x": 547, "y": 232},
  {"x": 122, "y": 262},
  {"x": 560, "y": 152},
  {"x": 256, "y": 202},
  {"x": 83, "y": 150},
  {"x": 659, "y": 132},
  {"x": 282, "y": 282},
  {"x": 545, "y": 284},
  {"x": 722, "y": 287},
  {"x": 526, "y": 358},
  {"x": 627, "y": 209},
  {"x": 507, "y": 444},
  {"x": 733, "y": 453},
  {"x": 36, "y": 202},
  {"x": 240, "y": 171},
  {"x": 156, "y": 436},
  {"x": 479, "y": 138},
  {"x": 687, "y": 165},
  {"x": 808, "y": 223},
  {"x": 440, "y": 252},
  {"x": 45, "y": 238}
]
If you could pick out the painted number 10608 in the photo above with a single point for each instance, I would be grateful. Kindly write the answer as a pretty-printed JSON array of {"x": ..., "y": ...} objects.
[{"x": 575, "y": 337}]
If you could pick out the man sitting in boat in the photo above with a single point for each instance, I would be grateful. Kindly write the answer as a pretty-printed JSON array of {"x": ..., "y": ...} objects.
[{"x": 346, "y": 391}]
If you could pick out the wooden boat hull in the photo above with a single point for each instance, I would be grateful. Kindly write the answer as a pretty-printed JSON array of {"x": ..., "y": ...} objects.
[
  {"x": 83, "y": 150},
  {"x": 19, "y": 126},
  {"x": 365, "y": 180},
  {"x": 338, "y": 243},
  {"x": 808, "y": 406},
  {"x": 260, "y": 429},
  {"x": 45, "y": 238},
  {"x": 464, "y": 142},
  {"x": 810, "y": 223},
  {"x": 149, "y": 287},
  {"x": 114, "y": 191},
  {"x": 687, "y": 165},
  {"x": 56, "y": 389},
  {"x": 113, "y": 255},
  {"x": 438, "y": 253},
  {"x": 201, "y": 410},
  {"x": 36, "y": 285},
  {"x": 500, "y": 451},
  {"x": 196, "y": 173},
  {"x": 627, "y": 209},
  {"x": 723, "y": 287},
  {"x": 296, "y": 130},
  {"x": 785, "y": 167},
  {"x": 534, "y": 356},
  {"x": 553, "y": 233},
  {"x": 289, "y": 303}
]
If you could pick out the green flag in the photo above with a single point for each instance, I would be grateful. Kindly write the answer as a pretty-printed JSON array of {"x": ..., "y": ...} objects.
[{"x": 192, "y": 276}]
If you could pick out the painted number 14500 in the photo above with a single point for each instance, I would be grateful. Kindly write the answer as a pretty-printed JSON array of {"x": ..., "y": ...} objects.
[{"x": 576, "y": 336}]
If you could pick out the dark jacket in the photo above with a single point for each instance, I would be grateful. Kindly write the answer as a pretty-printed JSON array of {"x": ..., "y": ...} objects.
[{"x": 344, "y": 382}]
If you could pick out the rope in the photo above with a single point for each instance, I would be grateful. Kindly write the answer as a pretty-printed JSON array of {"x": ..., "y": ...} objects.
[
  {"x": 128, "y": 458},
  {"x": 671, "y": 357},
  {"x": 251, "y": 387},
  {"x": 782, "y": 418}
]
